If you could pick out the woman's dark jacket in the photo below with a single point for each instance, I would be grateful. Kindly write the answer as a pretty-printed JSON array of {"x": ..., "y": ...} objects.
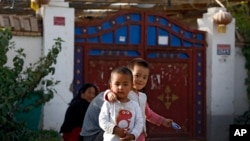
[{"x": 74, "y": 115}]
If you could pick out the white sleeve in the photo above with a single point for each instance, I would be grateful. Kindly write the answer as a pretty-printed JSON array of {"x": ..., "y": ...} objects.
[
  {"x": 138, "y": 128},
  {"x": 105, "y": 121}
]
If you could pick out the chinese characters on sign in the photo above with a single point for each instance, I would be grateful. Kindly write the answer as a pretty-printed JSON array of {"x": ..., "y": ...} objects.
[
  {"x": 60, "y": 21},
  {"x": 223, "y": 49}
]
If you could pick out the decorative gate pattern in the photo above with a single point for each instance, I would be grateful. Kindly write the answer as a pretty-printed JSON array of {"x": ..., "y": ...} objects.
[{"x": 176, "y": 86}]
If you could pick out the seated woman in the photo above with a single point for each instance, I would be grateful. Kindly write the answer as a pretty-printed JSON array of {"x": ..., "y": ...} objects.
[{"x": 75, "y": 113}]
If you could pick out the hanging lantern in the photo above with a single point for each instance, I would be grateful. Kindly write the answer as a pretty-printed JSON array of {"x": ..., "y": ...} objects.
[{"x": 222, "y": 18}]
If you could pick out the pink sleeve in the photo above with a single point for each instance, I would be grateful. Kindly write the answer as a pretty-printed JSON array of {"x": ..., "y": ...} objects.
[
  {"x": 105, "y": 95},
  {"x": 153, "y": 117}
]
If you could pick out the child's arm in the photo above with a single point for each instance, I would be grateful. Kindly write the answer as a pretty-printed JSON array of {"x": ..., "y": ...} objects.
[
  {"x": 128, "y": 137},
  {"x": 119, "y": 132},
  {"x": 107, "y": 125},
  {"x": 155, "y": 118},
  {"x": 138, "y": 121},
  {"x": 104, "y": 117},
  {"x": 109, "y": 96}
]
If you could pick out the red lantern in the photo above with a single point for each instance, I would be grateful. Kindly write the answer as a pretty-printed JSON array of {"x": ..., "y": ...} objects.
[{"x": 222, "y": 18}]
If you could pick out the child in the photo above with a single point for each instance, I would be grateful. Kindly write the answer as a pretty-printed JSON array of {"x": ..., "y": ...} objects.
[
  {"x": 140, "y": 70},
  {"x": 75, "y": 113},
  {"x": 122, "y": 119}
]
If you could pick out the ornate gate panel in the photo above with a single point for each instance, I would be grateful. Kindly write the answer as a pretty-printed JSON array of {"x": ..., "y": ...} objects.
[
  {"x": 170, "y": 94},
  {"x": 177, "y": 81},
  {"x": 176, "y": 86}
]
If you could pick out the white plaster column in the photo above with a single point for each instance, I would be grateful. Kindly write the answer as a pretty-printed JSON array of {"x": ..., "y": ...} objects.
[
  {"x": 58, "y": 3},
  {"x": 58, "y": 21},
  {"x": 220, "y": 76}
]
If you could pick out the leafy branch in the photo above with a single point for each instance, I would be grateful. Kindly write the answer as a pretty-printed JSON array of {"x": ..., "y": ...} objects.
[
  {"x": 241, "y": 14},
  {"x": 18, "y": 84}
]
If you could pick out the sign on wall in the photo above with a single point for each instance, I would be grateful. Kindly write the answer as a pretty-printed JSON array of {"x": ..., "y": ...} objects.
[
  {"x": 60, "y": 21},
  {"x": 223, "y": 49}
]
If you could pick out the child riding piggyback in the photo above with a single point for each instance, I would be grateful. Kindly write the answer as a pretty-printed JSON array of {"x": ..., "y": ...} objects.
[{"x": 140, "y": 70}]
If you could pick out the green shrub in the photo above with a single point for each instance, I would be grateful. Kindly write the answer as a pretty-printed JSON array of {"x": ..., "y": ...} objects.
[
  {"x": 241, "y": 14},
  {"x": 19, "y": 83}
]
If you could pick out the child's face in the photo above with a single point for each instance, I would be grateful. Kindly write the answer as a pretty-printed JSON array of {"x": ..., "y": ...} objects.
[
  {"x": 120, "y": 85},
  {"x": 140, "y": 77}
]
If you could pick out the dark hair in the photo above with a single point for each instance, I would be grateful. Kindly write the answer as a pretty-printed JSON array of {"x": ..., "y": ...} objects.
[
  {"x": 83, "y": 89},
  {"x": 139, "y": 62},
  {"x": 122, "y": 70}
]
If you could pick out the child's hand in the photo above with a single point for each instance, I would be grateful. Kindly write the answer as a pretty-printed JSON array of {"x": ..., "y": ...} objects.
[
  {"x": 128, "y": 137},
  {"x": 119, "y": 132},
  {"x": 111, "y": 97},
  {"x": 167, "y": 122}
]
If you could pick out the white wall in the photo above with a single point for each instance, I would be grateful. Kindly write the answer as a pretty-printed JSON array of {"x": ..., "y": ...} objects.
[
  {"x": 54, "y": 110},
  {"x": 35, "y": 47},
  {"x": 32, "y": 47},
  {"x": 225, "y": 79}
]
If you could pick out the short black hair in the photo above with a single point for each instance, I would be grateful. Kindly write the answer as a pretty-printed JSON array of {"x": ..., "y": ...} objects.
[{"x": 122, "y": 70}]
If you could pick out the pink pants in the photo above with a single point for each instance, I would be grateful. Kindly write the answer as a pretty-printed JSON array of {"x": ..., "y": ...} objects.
[{"x": 141, "y": 137}]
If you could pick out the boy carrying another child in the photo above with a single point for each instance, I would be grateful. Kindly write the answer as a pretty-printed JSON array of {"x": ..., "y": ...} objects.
[{"x": 122, "y": 119}]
